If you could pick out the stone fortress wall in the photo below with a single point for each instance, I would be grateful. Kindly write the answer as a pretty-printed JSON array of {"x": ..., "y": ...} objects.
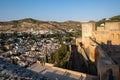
[
  {"x": 109, "y": 34},
  {"x": 92, "y": 36},
  {"x": 103, "y": 35}
]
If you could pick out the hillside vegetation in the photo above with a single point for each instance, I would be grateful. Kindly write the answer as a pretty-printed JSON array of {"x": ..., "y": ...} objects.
[{"x": 112, "y": 19}]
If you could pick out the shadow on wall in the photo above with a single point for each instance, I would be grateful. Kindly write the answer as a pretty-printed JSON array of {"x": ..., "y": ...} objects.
[
  {"x": 78, "y": 63},
  {"x": 112, "y": 50}
]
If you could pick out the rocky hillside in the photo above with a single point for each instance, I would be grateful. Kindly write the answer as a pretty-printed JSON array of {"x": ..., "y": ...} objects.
[{"x": 28, "y": 23}]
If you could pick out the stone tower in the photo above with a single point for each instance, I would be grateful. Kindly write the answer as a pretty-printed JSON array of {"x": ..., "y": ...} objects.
[{"x": 87, "y": 29}]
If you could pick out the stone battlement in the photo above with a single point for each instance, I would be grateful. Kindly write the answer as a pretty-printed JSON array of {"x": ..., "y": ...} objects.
[{"x": 108, "y": 34}]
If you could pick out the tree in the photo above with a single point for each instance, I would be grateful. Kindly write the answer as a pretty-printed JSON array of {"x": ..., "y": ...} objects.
[
  {"x": 101, "y": 22},
  {"x": 2, "y": 35},
  {"x": 60, "y": 57},
  {"x": 14, "y": 34}
]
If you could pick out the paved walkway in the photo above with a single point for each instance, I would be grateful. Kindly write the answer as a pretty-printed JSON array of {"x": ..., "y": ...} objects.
[{"x": 55, "y": 74}]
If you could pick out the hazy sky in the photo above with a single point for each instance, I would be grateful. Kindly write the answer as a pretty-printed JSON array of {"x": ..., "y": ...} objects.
[{"x": 58, "y": 10}]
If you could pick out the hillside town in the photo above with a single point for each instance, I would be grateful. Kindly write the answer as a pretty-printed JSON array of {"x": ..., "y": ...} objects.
[
  {"x": 60, "y": 40},
  {"x": 26, "y": 45},
  {"x": 24, "y": 51}
]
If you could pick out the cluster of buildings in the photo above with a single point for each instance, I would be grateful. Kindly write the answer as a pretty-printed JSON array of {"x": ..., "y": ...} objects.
[{"x": 25, "y": 51}]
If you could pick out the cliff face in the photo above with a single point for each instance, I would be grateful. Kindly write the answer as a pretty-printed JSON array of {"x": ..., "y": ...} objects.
[{"x": 28, "y": 23}]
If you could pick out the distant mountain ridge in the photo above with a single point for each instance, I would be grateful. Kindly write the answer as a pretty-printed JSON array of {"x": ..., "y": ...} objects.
[{"x": 27, "y": 23}]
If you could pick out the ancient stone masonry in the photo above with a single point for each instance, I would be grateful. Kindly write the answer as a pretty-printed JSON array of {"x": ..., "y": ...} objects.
[
  {"x": 101, "y": 43},
  {"x": 108, "y": 34}
]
